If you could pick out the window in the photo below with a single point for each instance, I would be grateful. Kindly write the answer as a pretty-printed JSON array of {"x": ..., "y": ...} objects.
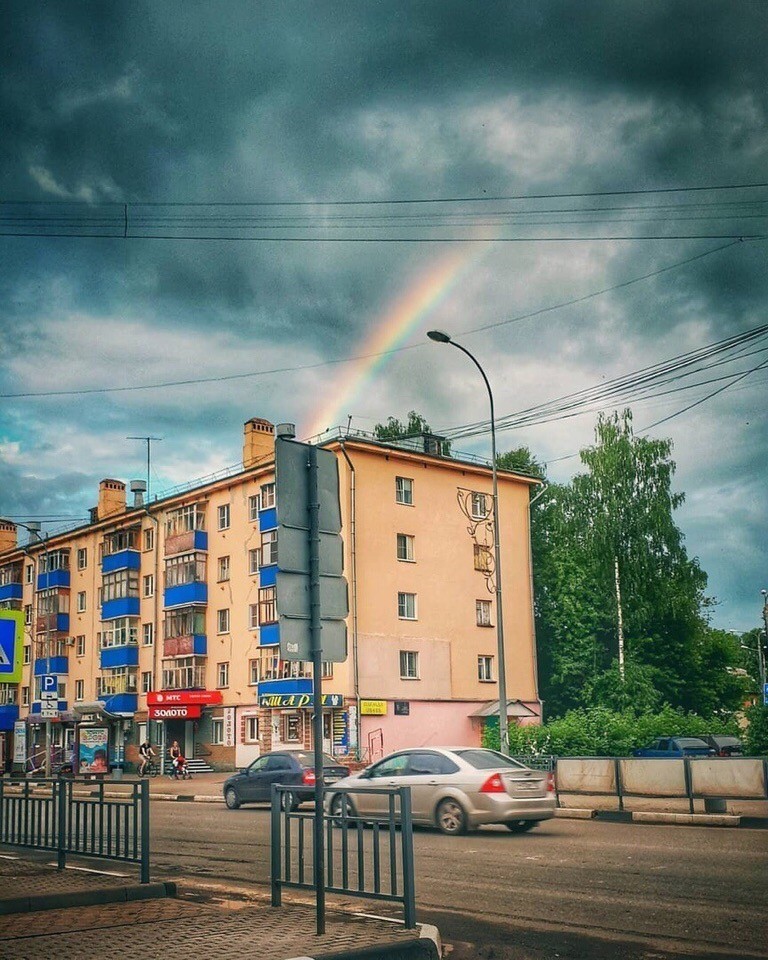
[
  {"x": 27, "y": 614},
  {"x": 267, "y": 605},
  {"x": 223, "y": 621},
  {"x": 223, "y": 569},
  {"x": 184, "y": 622},
  {"x": 404, "y": 547},
  {"x": 217, "y": 731},
  {"x": 222, "y": 674},
  {"x": 254, "y": 561},
  {"x": 269, "y": 547},
  {"x": 327, "y": 668},
  {"x": 185, "y": 519},
  {"x": 425, "y": 764},
  {"x": 25, "y": 696},
  {"x": 406, "y": 606},
  {"x": 409, "y": 665},
  {"x": 483, "y": 560},
  {"x": 79, "y": 689},
  {"x": 483, "y": 613},
  {"x": 27, "y": 653},
  {"x": 251, "y": 729},
  {"x": 404, "y": 490},
  {"x": 119, "y": 632},
  {"x": 391, "y": 767},
  {"x": 147, "y": 634},
  {"x": 291, "y": 728},
  {"x": 149, "y": 538},
  {"x": 81, "y": 602},
  {"x": 269, "y": 663},
  {"x": 186, "y": 568},
  {"x": 28, "y": 573},
  {"x": 120, "y": 540},
  {"x": 253, "y": 616},
  {"x": 479, "y": 506},
  {"x": 149, "y": 585},
  {"x": 267, "y": 496},
  {"x": 54, "y": 560},
  {"x": 485, "y": 669},
  {"x": 146, "y": 681},
  {"x": 82, "y": 558},
  {"x": 99, "y": 596},
  {"x": 184, "y": 673},
  {"x": 80, "y": 645},
  {"x": 253, "y": 672},
  {"x": 120, "y": 584},
  {"x": 253, "y": 508},
  {"x": 223, "y": 516}
]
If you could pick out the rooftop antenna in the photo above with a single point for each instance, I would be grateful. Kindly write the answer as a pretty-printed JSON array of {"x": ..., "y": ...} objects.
[{"x": 148, "y": 441}]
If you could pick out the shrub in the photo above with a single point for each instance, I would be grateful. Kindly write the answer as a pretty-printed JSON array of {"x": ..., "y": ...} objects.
[
  {"x": 601, "y": 732},
  {"x": 756, "y": 737}
]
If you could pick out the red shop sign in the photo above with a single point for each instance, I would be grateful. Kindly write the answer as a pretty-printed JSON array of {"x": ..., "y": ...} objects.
[
  {"x": 174, "y": 698},
  {"x": 183, "y": 712}
]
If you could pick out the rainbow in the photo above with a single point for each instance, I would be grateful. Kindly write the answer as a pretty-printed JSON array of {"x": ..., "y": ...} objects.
[{"x": 389, "y": 332}]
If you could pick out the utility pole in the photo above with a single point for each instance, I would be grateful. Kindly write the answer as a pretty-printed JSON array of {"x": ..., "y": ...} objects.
[
  {"x": 148, "y": 441},
  {"x": 761, "y": 645},
  {"x": 619, "y": 617}
]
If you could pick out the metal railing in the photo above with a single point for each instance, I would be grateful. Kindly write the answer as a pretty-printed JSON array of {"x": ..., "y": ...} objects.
[
  {"x": 375, "y": 863},
  {"x": 72, "y": 818},
  {"x": 536, "y": 761}
]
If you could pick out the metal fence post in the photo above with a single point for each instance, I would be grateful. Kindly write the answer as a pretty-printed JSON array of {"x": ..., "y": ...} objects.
[
  {"x": 688, "y": 782},
  {"x": 60, "y": 789},
  {"x": 619, "y": 784},
  {"x": 409, "y": 882},
  {"x": 145, "y": 838},
  {"x": 274, "y": 819}
]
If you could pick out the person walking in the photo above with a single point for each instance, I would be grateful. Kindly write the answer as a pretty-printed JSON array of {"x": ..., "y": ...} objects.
[
  {"x": 175, "y": 753},
  {"x": 147, "y": 754}
]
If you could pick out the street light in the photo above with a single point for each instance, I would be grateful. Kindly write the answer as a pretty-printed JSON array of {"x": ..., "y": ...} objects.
[{"x": 439, "y": 336}]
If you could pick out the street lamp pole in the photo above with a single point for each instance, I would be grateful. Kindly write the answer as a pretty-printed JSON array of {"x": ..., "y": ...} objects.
[
  {"x": 441, "y": 337},
  {"x": 761, "y": 647}
]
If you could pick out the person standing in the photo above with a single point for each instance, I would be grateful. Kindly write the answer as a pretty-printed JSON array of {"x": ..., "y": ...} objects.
[{"x": 175, "y": 753}]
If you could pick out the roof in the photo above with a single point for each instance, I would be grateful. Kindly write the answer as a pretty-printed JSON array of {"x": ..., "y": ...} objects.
[{"x": 515, "y": 708}]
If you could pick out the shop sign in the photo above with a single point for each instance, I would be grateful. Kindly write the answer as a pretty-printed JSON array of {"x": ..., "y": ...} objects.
[
  {"x": 373, "y": 708},
  {"x": 93, "y": 750},
  {"x": 402, "y": 708},
  {"x": 299, "y": 700},
  {"x": 19, "y": 742},
  {"x": 172, "y": 698},
  {"x": 229, "y": 726},
  {"x": 181, "y": 712}
]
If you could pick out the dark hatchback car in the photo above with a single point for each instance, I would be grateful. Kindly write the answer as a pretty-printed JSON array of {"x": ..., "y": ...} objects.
[
  {"x": 292, "y": 768},
  {"x": 724, "y": 745}
]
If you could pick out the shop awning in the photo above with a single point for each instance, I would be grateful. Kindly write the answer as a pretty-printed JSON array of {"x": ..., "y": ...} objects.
[
  {"x": 515, "y": 708},
  {"x": 98, "y": 707}
]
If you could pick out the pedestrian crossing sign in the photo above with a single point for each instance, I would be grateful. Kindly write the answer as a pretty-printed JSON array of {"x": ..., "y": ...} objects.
[{"x": 11, "y": 645}]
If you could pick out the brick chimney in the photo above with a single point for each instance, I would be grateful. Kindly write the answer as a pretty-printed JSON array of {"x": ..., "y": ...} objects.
[
  {"x": 258, "y": 441},
  {"x": 9, "y": 535},
  {"x": 111, "y": 498}
]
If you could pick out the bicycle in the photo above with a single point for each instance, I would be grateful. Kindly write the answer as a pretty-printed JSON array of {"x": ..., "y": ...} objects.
[{"x": 152, "y": 769}]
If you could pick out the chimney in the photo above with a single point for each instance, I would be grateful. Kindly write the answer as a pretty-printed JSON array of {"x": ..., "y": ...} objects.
[
  {"x": 258, "y": 441},
  {"x": 9, "y": 535},
  {"x": 138, "y": 489},
  {"x": 111, "y": 498}
]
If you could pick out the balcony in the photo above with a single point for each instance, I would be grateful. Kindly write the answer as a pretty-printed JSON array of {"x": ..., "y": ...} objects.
[
  {"x": 111, "y": 684},
  {"x": 121, "y": 703},
  {"x": 53, "y": 579},
  {"x": 184, "y": 594},
  {"x": 269, "y": 634},
  {"x": 11, "y": 591},
  {"x": 185, "y": 542},
  {"x": 9, "y": 714},
  {"x": 268, "y": 519},
  {"x": 46, "y": 665},
  {"x": 52, "y": 623},
  {"x": 112, "y": 657},
  {"x": 184, "y": 678},
  {"x": 193, "y": 644},
  {"x": 286, "y": 686},
  {"x": 123, "y": 560},
  {"x": 120, "y": 607}
]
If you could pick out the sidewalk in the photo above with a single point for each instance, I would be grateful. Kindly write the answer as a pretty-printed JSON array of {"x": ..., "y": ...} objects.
[{"x": 178, "y": 929}]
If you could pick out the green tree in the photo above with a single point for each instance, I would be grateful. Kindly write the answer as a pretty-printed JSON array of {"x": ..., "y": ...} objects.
[
  {"x": 415, "y": 425},
  {"x": 520, "y": 460}
]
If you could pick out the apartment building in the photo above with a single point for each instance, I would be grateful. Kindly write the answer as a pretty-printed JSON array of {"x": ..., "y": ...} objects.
[{"x": 159, "y": 619}]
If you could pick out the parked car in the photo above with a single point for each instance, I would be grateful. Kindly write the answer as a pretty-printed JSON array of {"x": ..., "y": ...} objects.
[
  {"x": 455, "y": 789},
  {"x": 724, "y": 745},
  {"x": 293, "y": 768},
  {"x": 676, "y": 747}
]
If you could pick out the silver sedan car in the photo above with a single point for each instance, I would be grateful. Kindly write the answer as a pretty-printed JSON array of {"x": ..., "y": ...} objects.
[{"x": 456, "y": 789}]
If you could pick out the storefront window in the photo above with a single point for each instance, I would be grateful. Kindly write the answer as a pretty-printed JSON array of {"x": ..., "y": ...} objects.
[{"x": 292, "y": 728}]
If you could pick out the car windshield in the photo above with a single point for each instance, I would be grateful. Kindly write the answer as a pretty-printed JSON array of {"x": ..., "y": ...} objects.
[
  {"x": 691, "y": 742},
  {"x": 308, "y": 759},
  {"x": 487, "y": 759}
]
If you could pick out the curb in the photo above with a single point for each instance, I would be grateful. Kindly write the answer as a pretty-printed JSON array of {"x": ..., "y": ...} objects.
[
  {"x": 575, "y": 813},
  {"x": 88, "y": 898},
  {"x": 423, "y": 948},
  {"x": 689, "y": 819}
]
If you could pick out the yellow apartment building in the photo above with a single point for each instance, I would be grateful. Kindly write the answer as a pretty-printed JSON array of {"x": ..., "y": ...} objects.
[{"x": 159, "y": 619}]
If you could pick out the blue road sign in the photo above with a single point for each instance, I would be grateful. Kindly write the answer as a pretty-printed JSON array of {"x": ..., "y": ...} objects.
[
  {"x": 49, "y": 687},
  {"x": 11, "y": 645},
  {"x": 765, "y": 694}
]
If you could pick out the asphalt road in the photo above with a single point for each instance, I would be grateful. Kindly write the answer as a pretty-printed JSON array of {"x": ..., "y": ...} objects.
[{"x": 569, "y": 889}]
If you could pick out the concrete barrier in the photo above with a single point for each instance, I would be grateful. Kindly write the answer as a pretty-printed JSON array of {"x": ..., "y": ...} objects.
[
  {"x": 642, "y": 777},
  {"x": 591, "y": 775},
  {"x": 734, "y": 777}
]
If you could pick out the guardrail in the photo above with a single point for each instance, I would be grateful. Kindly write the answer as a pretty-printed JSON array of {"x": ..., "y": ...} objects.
[
  {"x": 375, "y": 863},
  {"x": 59, "y": 815},
  {"x": 691, "y": 778}
]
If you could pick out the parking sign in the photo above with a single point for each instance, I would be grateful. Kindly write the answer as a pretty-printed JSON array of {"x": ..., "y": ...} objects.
[
  {"x": 11, "y": 645},
  {"x": 49, "y": 687}
]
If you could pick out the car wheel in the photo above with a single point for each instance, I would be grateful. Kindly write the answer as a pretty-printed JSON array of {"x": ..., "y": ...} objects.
[
  {"x": 339, "y": 804},
  {"x": 451, "y": 818},
  {"x": 231, "y": 798},
  {"x": 289, "y": 801},
  {"x": 520, "y": 826}
]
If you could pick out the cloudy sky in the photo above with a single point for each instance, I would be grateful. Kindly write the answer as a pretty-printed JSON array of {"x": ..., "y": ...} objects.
[{"x": 198, "y": 190}]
